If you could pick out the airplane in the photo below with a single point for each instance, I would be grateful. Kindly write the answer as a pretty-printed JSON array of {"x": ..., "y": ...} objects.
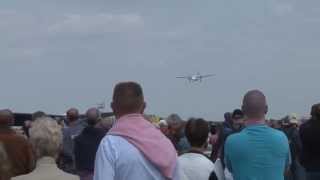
[{"x": 196, "y": 78}]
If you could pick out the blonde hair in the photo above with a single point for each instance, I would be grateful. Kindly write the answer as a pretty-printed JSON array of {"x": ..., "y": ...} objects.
[{"x": 46, "y": 137}]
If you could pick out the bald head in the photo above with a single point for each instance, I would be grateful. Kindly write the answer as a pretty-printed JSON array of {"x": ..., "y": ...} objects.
[
  {"x": 128, "y": 98},
  {"x": 255, "y": 104},
  {"x": 6, "y": 118}
]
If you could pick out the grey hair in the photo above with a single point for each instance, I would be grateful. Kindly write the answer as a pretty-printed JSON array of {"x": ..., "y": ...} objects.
[{"x": 46, "y": 137}]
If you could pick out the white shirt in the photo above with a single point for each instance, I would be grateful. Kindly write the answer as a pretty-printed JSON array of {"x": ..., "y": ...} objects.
[
  {"x": 117, "y": 159},
  {"x": 196, "y": 166}
]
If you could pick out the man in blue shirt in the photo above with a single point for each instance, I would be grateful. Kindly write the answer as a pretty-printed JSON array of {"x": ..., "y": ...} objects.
[{"x": 258, "y": 152}]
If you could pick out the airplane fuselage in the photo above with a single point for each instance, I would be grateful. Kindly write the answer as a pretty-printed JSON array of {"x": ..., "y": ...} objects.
[{"x": 195, "y": 78}]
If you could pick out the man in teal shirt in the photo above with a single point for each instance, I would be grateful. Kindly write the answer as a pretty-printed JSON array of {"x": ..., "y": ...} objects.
[{"x": 258, "y": 152}]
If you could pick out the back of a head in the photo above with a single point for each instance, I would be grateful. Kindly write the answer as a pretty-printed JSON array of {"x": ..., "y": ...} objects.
[
  {"x": 6, "y": 118},
  {"x": 38, "y": 114},
  {"x": 315, "y": 112},
  {"x": 197, "y": 132},
  {"x": 255, "y": 105},
  {"x": 174, "y": 119},
  {"x": 93, "y": 115},
  {"x": 237, "y": 113},
  {"x": 46, "y": 137},
  {"x": 128, "y": 98}
]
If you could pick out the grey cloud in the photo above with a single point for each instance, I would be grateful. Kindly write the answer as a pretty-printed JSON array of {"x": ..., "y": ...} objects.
[{"x": 57, "y": 54}]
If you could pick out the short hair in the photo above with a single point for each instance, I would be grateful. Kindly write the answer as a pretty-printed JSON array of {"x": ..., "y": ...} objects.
[
  {"x": 46, "y": 137},
  {"x": 73, "y": 110},
  {"x": 197, "y": 132},
  {"x": 128, "y": 96},
  {"x": 174, "y": 119},
  {"x": 93, "y": 109},
  {"x": 255, "y": 104},
  {"x": 237, "y": 113},
  {"x": 315, "y": 112}
]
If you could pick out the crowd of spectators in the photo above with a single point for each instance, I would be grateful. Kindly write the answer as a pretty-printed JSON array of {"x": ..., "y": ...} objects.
[{"x": 130, "y": 146}]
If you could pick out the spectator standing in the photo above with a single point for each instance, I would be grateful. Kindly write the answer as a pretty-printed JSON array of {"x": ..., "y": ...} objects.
[
  {"x": 290, "y": 128},
  {"x": 4, "y": 164},
  {"x": 17, "y": 147},
  {"x": 194, "y": 163},
  {"x": 86, "y": 145},
  {"x": 46, "y": 139},
  {"x": 75, "y": 127},
  {"x": 310, "y": 133},
  {"x": 134, "y": 148},
  {"x": 258, "y": 151},
  {"x": 176, "y": 128}
]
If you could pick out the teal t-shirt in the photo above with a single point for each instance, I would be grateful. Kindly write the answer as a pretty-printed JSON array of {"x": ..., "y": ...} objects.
[{"x": 258, "y": 152}]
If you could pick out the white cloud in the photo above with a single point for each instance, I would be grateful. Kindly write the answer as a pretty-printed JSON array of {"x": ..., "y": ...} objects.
[{"x": 97, "y": 23}]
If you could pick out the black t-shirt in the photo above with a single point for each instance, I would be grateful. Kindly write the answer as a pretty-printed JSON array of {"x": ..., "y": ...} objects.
[
  {"x": 310, "y": 138},
  {"x": 85, "y": 148}
]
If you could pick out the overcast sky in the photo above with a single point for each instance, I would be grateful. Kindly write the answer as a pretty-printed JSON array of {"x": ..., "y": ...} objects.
[{"x": 70, "y": 53}]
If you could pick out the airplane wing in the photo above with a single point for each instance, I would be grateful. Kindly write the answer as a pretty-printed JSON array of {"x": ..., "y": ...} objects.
[
  {"x": 208, "y": 75},
  {"x": 182, "y": 77}
]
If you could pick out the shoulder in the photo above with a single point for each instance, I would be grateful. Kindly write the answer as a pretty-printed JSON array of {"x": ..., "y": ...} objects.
[
  {"x": 23, "y": 177},
  {"x": 100, "y": 133},
  {"x": 305, "y": 127},
  {"x": 20, "y": 140},
  {"x": 66, "y": 131},
  {"x": 191, "y": 157},
  {"x": 70, "y": 176},
  {"x": 234, "y": 138},
  {"x": 278, "y": 134},
  {"x": 112, "y": 144}
]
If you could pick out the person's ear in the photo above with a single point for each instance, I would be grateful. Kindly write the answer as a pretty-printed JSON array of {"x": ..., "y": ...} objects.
[
  {"x": 112, "y": 105},
  {"x": 243, "y": 109},
  {"x": 267, "y": 109},
  {"x": 144, "y": 105}
]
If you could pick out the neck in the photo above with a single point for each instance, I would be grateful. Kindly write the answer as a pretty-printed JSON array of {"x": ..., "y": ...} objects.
[
  {"x": 199, "y": 149},
  {"x": 120, "y": 115},
  {"x": 254, "y": 121}
]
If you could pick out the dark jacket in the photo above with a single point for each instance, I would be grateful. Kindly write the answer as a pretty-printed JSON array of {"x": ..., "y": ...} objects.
[
  {"x": 85, "y": 148},
  {"x": 19, "y": 151},
  {"x": 310, "y": 138}
]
